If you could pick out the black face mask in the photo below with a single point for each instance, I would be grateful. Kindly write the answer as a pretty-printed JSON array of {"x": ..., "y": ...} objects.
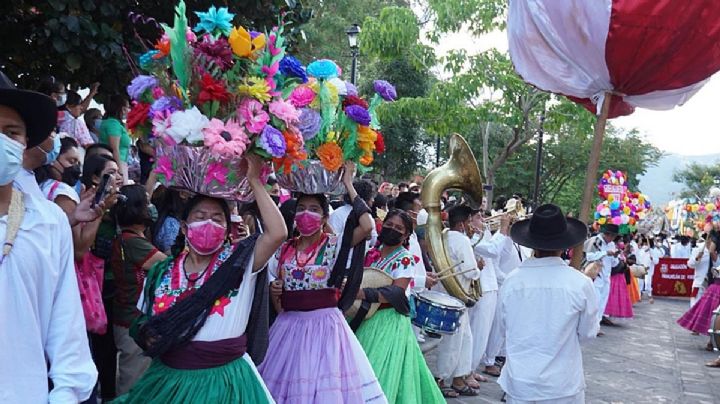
[
  {"x": 390, "y": 237},
  {"x": 71, "y": 175},
  {"x": 275, "y": 199}
]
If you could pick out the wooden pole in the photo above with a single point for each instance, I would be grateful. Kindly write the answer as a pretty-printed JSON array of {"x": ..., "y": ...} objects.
[{"x": 591, "y": 173}]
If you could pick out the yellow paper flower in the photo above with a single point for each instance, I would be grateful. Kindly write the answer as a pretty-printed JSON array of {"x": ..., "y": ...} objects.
[
  {"x": 243, "y": 45},
  {"x": 366, "y": 139},
  {"x": 366, "y": 159},
  {"x": 334, "y": 98},
  {"x": 255, "y": 87}
]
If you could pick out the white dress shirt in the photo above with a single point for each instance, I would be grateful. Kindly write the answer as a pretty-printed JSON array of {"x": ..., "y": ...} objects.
[
  {"x": 460, "y": 250},
  {"x": 600, "y": 254},
  {"x": 681, "y": 251},
  {"x": 25, "y": 182},
  {"x": 547, "y": 309},
  {"x": 42, "y": 317},
  {"x": 489, "y": 248},
  {"x": 418, "y": 282}
]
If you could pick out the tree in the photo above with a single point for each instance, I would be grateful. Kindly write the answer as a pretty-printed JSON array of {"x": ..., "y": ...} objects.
[
  {"x": 697, "y": 178},
  {"x": 84, "y": 41}
]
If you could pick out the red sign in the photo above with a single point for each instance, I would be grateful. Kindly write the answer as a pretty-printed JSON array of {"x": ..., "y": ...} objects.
[
  {"x": 615, "y": 190},
  {"x": 672, "y": 277}
]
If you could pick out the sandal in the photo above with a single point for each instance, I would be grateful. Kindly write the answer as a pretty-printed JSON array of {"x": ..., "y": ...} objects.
[
  {"x": 472, "y": 382},
  {"x": 466, "y": 391},
  {"x": 479, "y": 377},
  {"x": 713, "y": 364},
  {"x": 493, "y": 371},
  {"x": 709, "y": 347},
  {"x": 447, "y": 391}
]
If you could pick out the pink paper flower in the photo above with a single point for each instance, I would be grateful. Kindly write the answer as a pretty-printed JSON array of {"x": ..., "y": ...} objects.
[
  {"x": 225, "y": 140},
  {"x": 284, "y": 111},
  {"x": 252, "y": 115},
  {"x": 161, "y": 123},
  {"x": 218, "y": 172},
  {"x": 157, "y": 92},
  {"x": 165, "y": 167},
  {"x": 302, "y": 96}
]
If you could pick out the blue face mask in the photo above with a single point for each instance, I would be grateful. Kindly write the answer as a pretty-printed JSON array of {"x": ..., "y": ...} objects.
[
  {"x": 11, "y": 157},
  {"x": 97, "y": 124},
  {"x": 53, "y": 154}
]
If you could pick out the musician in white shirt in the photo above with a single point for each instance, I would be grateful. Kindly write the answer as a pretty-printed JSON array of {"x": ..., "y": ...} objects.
[
  {"x": 547, "y": 309},
  {"x": 681, "y": 249}
]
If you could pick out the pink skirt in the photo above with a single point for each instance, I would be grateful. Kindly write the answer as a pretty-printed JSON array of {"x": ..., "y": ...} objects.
[
  {"x": 314, "y": 357},
  {"x": 619, "y": 304},
  {"x": 699, "y": 317}
]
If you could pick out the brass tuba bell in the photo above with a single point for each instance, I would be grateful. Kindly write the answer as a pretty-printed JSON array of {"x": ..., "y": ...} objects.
[{"x": 460, "y": 172}]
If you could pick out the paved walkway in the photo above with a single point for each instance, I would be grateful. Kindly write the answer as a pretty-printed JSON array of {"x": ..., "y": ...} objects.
[{"x": 649, "y": 359}]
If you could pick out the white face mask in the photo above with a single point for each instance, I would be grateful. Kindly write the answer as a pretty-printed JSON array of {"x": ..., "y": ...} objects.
[
  {"x": 61, "y": 101},
  {"x": 11, "y": 157}
]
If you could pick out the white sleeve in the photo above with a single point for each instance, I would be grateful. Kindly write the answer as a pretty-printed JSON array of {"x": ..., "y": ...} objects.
[
  {"x": 71, "y": 367},
  {"x": 588, "y": 326},
  {"x": 272, "y": 265},
  {"x": 595, "y": 256},
  {"x": 467, "y": 255},
  {"x": 692, "y": 262},
  {"x": 334, "y": 221},
  {"x": 492, "y": 247}
]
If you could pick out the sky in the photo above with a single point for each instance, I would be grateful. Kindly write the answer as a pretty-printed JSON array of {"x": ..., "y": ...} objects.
[{"x": 691, "y": 129}]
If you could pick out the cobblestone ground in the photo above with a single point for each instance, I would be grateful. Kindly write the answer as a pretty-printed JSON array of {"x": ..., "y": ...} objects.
[{"x": 649, "y": 359}]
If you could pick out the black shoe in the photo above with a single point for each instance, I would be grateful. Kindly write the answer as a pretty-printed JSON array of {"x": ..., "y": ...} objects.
[{"x": 606, "y": 321}]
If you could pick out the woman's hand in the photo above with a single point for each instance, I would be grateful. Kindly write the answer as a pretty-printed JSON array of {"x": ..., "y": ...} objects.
[
  {"x": 349, "y": 174},
  {"x": 255, "y": 165},
  {"x": 360, "y": 295},
  {"x": 276, "y": 288}
]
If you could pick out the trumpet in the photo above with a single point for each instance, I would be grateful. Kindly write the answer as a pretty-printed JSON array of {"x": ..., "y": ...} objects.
[{"x": 513, "y": 208}]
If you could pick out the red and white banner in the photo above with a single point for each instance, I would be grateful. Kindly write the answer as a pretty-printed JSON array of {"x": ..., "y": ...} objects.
[
  {"x": 652, "y": 54},
  {"x": 672, "y": 277}
]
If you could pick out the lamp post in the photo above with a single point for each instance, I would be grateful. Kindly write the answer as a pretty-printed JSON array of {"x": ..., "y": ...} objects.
[{"x": 353, "y": 34}]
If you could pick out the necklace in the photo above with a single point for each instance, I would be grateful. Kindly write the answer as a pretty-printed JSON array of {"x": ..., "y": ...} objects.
[
  {"x": 16, "y": 212},
  {"x": 313, "y": 250},
  {"x": 192, "y": 278}
]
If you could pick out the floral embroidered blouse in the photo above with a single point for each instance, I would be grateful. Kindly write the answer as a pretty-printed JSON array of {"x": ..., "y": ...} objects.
[
  {"x": 229, "y": 315},
  {"x": 399, "y": 264},
  {"x": 305, "y": 270}
]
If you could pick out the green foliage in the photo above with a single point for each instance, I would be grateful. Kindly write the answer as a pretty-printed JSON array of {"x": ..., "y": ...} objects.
[
  {"x": 478, "y": 16},
  {"x": 84, "y": 41},
  {"x": 391, "y": 34},
  {"x": 697, "y": 178}
]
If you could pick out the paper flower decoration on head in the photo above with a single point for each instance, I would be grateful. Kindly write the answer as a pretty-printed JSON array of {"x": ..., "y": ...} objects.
[
  {"x": 340, "y": 85},
  {"x": 187, "y": 126},
  {"x": 225, "y": 140},
  {"x": 212, "y": 90},
  {"x": 309, "y": 123},
  {"x": 216, "y": 51},
  {"x": 243, "y": 43},
  {"x": 385, "y": 90},
  {"x": 292, "y": 67},
  {"x": 253, "y": 116},
  {"x": 350, "y": 88},
  {"x": 355, "y": 100},
  {"x": 284, "y": 111},
  {"x": 302, "y": 96},
  {"x": 323, "y": 69},
  {"x": 272, "y": 141},
  {"x": 165, "y": 105},
  {"x": 139, "y": 85},
  {"x": 330, "y": 155},
  {"x": 358, "y": 114},
  {"x": 215, "y": 21}
]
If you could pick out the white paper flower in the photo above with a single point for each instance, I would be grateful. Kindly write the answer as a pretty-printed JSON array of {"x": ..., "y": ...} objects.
[
  {"x": 340, "y": 85},
  {"x": 187, "y": 125}
]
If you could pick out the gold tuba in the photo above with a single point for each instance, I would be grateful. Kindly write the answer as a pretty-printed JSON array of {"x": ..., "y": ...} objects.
[{"x": 460, "y": 172}]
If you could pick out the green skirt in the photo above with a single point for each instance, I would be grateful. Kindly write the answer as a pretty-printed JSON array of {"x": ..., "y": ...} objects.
[
  {"x": 234, "y": 382},
  {"x": 390, "y": 344}
]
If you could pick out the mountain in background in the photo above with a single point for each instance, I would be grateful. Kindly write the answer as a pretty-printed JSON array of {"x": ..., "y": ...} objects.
[{"x": 657, "y": 182}]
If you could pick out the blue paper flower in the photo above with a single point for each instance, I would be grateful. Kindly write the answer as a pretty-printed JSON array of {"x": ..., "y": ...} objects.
[
  {"x": 147, "y": 59},
  {"x": 323, "y": 69},
  {"x": 166, "y": 105},
  {"x": 292, "y": 67},
  {"x": 351, "y": 89},
  {"x": 272, "y": 141},
  {"x": 358, "y": 114},
  {"x": 139, "y": 84},
  {"x": 385, "y": 90},
  {"x": 215, "y": 21}
]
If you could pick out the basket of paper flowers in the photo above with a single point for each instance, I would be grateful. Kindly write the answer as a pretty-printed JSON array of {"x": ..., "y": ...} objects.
[
  {"x": 208, "y": 96},
  {"x": 334, "y": 125}
]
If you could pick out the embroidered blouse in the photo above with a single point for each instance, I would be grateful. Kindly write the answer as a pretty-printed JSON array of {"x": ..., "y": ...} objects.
[
  {"x": 305, "y": 270},
  {"x": 399, "y": 264}
]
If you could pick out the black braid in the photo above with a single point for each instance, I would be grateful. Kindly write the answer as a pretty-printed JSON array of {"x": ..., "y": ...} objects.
[
  {"x": 179, "y": 245},
  {"x": 179, "y": 324}
]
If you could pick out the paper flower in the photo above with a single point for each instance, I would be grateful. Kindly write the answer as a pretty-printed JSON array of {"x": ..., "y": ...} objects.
[
  {"x": 187, "y": 125},
  {"x": 284, "y": 111},
  {"x": 215, "y": 21},
  {"x": 252, "y": 115},
  {"x": 165, "y": 105},
  {"x": 138, "y": 115},
  {"x": 255, "y": 87},
  {"x": 163, "y": 47},
  {"x": 323, "y": 69},
  {"x": 350, "y": 88},
  {"x": 354, "y": 100},
  {"x": 330, "y": 155},
  {"x": 216, "y": 172},
  {"x": 225, "y": 140},
  {"x": 212, "y": 90},
  {"x": 333, "y": 96},
  {"x": 164, "y": 167},
  {"x": 366, "y": 159},
  {"x": 385, "y": 90},
  {"x": 217, "y": 51},
  {"x": 292, "y": 67},
  {"x": 148, "y": 59},
  {"x": 294, "y": 151},
  {"x": 243, "y": 43},
  {"x": 272, "y": 141},
  {"x": 379, "y": 143},
  {"x": 302, "y": 96},
  {"x": 139, "y": 84},
  {"x": 358, "y": 114},
  {"x": 366, "y": 139},
  {"x": 340, "y": 85},
  {"x": 161, "y": 123},
  {"x": 309, "y": 124}
]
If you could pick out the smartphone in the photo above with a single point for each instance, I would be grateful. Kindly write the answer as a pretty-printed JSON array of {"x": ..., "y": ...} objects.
[{"x": 102, "y": 190}]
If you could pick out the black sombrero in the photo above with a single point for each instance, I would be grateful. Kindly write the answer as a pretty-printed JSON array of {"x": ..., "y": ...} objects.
[
  {"x": 548, "y": 229},
  {"x": 36, "y": 109}
]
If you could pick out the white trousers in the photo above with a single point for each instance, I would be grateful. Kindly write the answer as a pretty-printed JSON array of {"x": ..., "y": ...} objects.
[
  {"x": 454, "y": 353},
  {"x": 496, "y": 342},
  {"x": 648, "y": 280},
  {"x": 693, "y": 300},
  {"x": 602, "y": 286},
  {"x": 578, "y": 398},
  {"x": 482, "y": 315}
]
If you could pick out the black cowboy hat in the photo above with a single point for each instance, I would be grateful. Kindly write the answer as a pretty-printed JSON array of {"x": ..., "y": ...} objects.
[
  {"x": 37, "y": 110},
  {"x": 610, "y": 228},
  {"x": 548, "y": 229}
]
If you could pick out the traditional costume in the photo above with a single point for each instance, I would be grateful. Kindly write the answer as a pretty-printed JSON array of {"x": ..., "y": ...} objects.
[
  {"x": 215, "y": 366},
  {"x": 596, "y": 249},
  {"x": 389, "y": 341},
  {"x": 699, "y": 318},
  {"x": 619, "y": 304},
  {"x": 701, "y": 267}
]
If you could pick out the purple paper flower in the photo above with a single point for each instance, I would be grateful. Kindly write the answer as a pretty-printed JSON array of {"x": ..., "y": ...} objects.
[
  {"x": 358, "y": 114},
  {"x": 351, "y": 89},
  {"x": 309, "y": 123},
  {"x": 218, "y": 51},
  {"x": 164, "y": 105},
  {"x": 292, "y": 67},
  {"x": 272, "y": 141},
  {"x": 139, "y": 84},
  {"x": 385, "y": 90}
]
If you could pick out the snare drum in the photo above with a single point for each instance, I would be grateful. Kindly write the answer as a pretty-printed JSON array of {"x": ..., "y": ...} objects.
[
  {"x": 714, "y": 331},
  {"x": 437, "y": 313}
]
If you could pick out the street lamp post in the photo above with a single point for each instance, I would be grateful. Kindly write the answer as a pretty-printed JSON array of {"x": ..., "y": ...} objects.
[{"x": 353, "y": 34}]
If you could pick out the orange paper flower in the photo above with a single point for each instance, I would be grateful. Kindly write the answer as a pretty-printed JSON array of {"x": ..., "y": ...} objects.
[
  {"x": 366, "y": 159},
  {"x": 330, "y": 155},
  {"x": 294, "y": 151},
  {"x": 366, "y": 139},
  {"x": 163, "y": 46}
]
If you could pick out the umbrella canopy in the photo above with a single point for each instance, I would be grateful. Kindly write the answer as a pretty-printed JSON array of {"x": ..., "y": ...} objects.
[{"x": 652, "y": 54}]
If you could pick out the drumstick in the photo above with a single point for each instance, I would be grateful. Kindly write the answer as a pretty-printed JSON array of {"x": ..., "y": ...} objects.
[
  {"x": 451, "y": 268},
  {"x": 456, "y": 274}
]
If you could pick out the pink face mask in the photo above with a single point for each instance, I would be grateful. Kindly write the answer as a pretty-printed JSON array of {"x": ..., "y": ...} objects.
[
  {"x": 205, "y": 237},
  {"x": 308, "y": 223}
]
